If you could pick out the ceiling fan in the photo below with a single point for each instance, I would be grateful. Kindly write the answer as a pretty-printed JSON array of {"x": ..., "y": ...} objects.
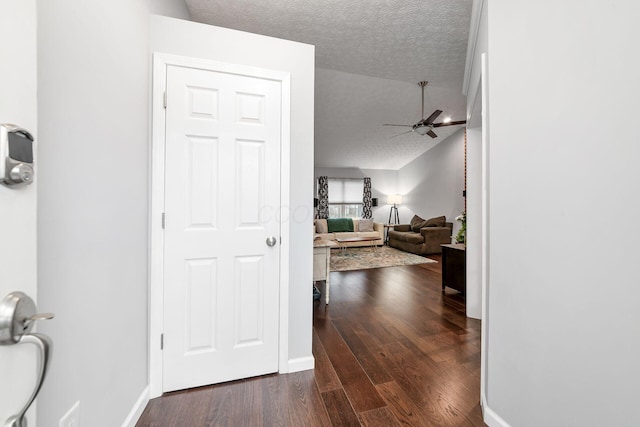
[{"x": 425, "y": 126}]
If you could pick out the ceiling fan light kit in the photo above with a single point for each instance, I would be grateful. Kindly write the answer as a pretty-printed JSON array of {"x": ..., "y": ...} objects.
[{"x": 425, "y": 126}]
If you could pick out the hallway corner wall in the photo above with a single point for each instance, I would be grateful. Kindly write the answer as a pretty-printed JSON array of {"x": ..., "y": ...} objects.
[{"x": 93, "y": 78}]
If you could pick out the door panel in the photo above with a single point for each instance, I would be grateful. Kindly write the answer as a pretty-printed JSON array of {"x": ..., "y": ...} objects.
[
  {"x": 203, "y": 182},
  {"x": 249, "y": 302},
  {"x": 222, "y": 177},
  {"x": 201, "y": 292}
]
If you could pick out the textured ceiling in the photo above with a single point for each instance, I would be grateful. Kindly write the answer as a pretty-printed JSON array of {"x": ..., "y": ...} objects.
[
  {"x": 351, "y": 108},
  {"x": 398, "y": 41}
]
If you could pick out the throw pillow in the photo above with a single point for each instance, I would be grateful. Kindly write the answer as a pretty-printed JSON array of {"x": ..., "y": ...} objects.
[
  {"x": 365, "y": 225},
  {"x": 416, "y": 223},
  {"x": 438, "y": 221},
  {"x": 321, "y": 226}
]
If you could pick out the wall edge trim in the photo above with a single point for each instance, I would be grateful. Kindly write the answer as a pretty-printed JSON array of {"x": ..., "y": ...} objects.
[
  {"x": 138, "y": 408},
  {"x": 490, "y": 416},
  {"x": 476, "y": 14},
  {"x": 301, "y": 364}
]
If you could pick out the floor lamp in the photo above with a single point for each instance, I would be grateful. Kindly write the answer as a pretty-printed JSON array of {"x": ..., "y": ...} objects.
[{"x": 394, "y": 200}]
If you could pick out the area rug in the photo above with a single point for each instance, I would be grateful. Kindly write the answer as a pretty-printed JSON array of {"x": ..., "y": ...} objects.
[{"x": 366, "y": 257}]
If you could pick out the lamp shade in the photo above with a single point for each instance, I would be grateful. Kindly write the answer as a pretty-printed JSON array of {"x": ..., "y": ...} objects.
[
  {"x": 422, "y": 130},
  {"x": 394, "y": 199}
]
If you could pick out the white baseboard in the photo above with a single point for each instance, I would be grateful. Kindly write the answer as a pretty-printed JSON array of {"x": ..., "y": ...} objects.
[
  {"x": 301, "y": 364},
  {"x": 491, "y": 418},
  {"x": 137, "y": 409}
]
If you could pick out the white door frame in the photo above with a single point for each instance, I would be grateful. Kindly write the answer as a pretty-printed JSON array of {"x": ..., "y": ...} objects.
[
  {"x": 18, "y": 206},
  {"x": 484, "y": 349},
  {"x": 156, "y": 204}
]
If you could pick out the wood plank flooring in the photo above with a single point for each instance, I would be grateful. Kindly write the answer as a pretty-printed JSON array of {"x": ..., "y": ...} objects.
[{"x": 390, "y": 350}]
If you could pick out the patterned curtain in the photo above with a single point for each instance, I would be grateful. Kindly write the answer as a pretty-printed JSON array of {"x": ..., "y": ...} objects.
[
  {"x": 366, "y": 200},
  {"x": 323, "y": 197}
]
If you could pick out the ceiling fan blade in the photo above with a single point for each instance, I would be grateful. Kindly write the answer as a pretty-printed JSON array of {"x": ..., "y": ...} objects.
[
  {"x": 391, "y": 124},
  {"x": 409, "y": 131},
  {"x": 459, "y": 122},
  {"x": 432, "y": 134},
  {"x": 432, "y": 117}
]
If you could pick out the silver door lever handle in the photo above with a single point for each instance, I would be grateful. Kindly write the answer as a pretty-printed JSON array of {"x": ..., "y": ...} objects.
[
  {"x": 45, "y": 346},
  {"x": 17, "y": 316},
  {"x": 42, "y": 316}
]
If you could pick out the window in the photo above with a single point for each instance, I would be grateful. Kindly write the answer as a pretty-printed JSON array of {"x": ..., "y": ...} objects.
[
  {"x": 353, "y": 210},
  {"x": 345, "y": 198}
]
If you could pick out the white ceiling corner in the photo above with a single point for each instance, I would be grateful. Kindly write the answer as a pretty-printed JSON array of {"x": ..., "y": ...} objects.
[{"x": 370, "y": 56}]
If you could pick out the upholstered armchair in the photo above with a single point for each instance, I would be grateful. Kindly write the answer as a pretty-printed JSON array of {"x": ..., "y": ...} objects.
[{"x": 421, "y": 236}]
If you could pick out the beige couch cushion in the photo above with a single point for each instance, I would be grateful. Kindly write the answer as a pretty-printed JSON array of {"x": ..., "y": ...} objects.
[
  {"x": 327, "y": 236},
  {"x": 368, "y": 234},
  {"x": 321, "y": 226}
]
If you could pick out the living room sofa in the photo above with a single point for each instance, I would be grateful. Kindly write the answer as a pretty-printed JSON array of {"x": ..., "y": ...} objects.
[
  {"x": 321, "y": 231},
  {"x": 421, "y": 237}
]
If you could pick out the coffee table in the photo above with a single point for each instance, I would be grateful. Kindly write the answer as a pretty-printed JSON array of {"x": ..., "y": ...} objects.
[{"x": 342, "y": 242}]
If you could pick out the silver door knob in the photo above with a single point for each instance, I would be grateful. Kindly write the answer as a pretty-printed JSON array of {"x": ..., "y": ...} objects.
[{"x": 271, "y": 241}]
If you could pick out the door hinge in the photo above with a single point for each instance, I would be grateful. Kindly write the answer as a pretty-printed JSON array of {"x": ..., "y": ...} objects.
[
  {"x": 161, "y": 341},
  {"x": 164, "y": 100},
  {"x": 163, "y": 220}
]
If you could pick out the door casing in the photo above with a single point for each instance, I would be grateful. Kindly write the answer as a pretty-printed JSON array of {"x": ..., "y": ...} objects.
[{"x": 156, "y": 205}]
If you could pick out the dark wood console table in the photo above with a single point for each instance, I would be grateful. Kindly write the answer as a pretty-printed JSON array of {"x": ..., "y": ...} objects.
[{"x": 454, "y": 267}]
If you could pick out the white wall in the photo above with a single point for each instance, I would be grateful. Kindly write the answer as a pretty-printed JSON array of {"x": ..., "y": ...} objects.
[
  {"x": 432, "y": 184},
  {"x": 18, "y": 206},
  {"x": 383, "y": 183},
  {"x": 564, "y": 295},
  {"x": 92, "y": 214},
  {"x": 205, "y": 41}
]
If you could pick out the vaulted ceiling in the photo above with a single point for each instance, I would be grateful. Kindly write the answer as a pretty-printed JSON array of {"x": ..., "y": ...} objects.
[{"x": 370, "y": 55}]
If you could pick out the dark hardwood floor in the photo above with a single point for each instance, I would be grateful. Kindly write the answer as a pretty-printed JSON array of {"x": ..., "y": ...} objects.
[{"x": 390, "y": 349}]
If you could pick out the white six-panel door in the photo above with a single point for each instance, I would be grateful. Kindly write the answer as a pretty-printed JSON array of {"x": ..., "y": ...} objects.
[{"x": 222, "y": 199}]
